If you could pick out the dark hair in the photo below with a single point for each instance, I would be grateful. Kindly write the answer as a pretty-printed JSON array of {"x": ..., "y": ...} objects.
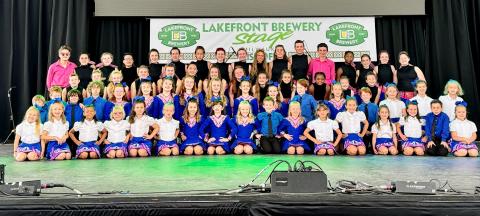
[
  {"x": 299, "y": 41},
  {"x": 347, "y": 52},
  {"x": 366, "y": 55},
  {"x": 131, "y": 117},
  {"x": 73, "y": 92},
  {"x": 171, "y": 65},
  {"x": 416, "y": 116},
  {"x": 322, "y": 45},
  {"x": 84, "y": 53},
  {"x": 370, "y": 73},
  {"x": 388, "y": 117},
  {"x": 174, "y": 48},
  {"x": 219, "y": 49},
  {"x": 320, "y": 73},
  {"x": 199, "y": 48},
  {"x": 436, "y": 101},
  {"x": 127, "y": 53},
  {"x": 152, "y": 50}
]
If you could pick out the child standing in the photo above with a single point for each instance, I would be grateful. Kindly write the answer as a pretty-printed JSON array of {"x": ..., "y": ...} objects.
[
  {"x": 452, "y": 92},
  {"x": 214, "y": 93},
  {"x": 323, "y": 127},
  {"x": 168, "y": 132},
  {"x": 94, "y": 89},
  {"x": 286, "y": 86},
  {"x": 190, "y": 134},
  {"x": 55, "y": 131},
  {"x": 370, "y": 110},
  {"x": 88, "y": 142},
  {"x": 423, "y": 100},
  {"x": 218, "y": 129},
  {"x": 140, "y": 138},
  {"x": 292, "y": 128},
  {"x": 372, "y": 84},
  {"x": 319, "y": 89},
  {"x": 411, "y": 136},
  {"x": 394, "y": 104},
  {"x": 245, "y": 123},
  {"x": 348, "y": 90},
  {"x": 267, "y": 124},
  {"x": 115, "y": 78},
  {"x": 437, "y": 130},
  {"x": 260, "y": 88},
  {"x": 384, "y": 137},
  {"x": 351, "y": 121},
  {"x": 336, "y": 104},
  {"x": 307, "y": 102},
  {"x": 464, "y": 133},
  {"x": 27, "y": 144},
  {"x": 246, "y": 95},
  {"x": 117, "y": 130}
]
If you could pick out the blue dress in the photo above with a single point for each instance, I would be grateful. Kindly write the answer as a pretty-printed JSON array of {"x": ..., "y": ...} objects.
[
  {"x": 244, "y": 131},
  {"x": 162, "y": 101},
  {"x": 152, "y": 107},
  {"x": 227, "y": 109},
  {"x": 127, "y": 107},
  {"x": 99, "y": 104},
  {"x": 253, "y": 103},
  {"x": 308, "y": 104},
  {"x": 335, "y": 107},
  {"x": 192, "y": 132},
  {"x": 295, "y": 130},
  {"x": 179, "y": 108},
  {"x": 221, "y": 127}
]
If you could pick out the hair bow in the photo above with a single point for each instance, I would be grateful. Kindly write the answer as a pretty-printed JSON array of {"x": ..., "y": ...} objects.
[
  {"x": 216, "y": 99},
  {"x": 414, "y": 102},
  {"x": 168, "y": 77},
  {"x": 270, "y": 82},
  {"x": 334, "y": 82},
  {"x": 146, "y": 79},
  {"x": 350, "y": 98},
  {"x": 56, "y": 100},
  {"x": 191, "y": 98},
  {"x": 461, "y": 103},
  {"x": 414, "y": 82},
  {"x": 124, "y": 84},
  {"x": 387, "y": 84},
  {"x": 39, "y": 108},
  {"x": 139, "y": 98},
  {"x": 245, "y": 78}
]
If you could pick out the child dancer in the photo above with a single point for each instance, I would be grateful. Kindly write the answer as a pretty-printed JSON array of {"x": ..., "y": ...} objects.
[
  {"x": 166, "y": 94},
  {"x": 452, "y": 92},
  {"x": 464, "y": 133},
  {"x": 119, "y": 98},
  {"x": 73, "y": 110},
  {"x": 214, "y": 93},
  {"x": 168, "y": 132},
  {"x": 394, "y": 104},
  {"x": 286, "y": 87},
  {"x": 384, "y": 138},
  {"x": 140, "y": 140},
  {"x": 307, "y": 102},
  {"x": 245, "y": 123},
  {"x": 279, "y": 104},
  {"x": 88, "y": 142},
  {"x": 188, "y": 90},
  {"x": 292, "y": 128},
  {"x": 246, "y": 95},
  {"x": 74, "y": 83},
  {"x": 437, "y": 130},
  {"x": 336, "y": 104},
  {"x": 218, "y": 129},
  {"x": 260, "y": 88},
  {"x": 267, "y": 124},
  {"x": 27, "y": 144},
  {"x": 370, "y": 109},
  {"x": 319, "y": 89},
  {"x": 114, "y": 79},
  {"x": 152, "y": 103},
  {"x": 55, "y": 132},
  {"x": 372, "y": 84},
  {"x": 411, "y": 136},
  {"x": 143, "y": 76},
  {"x": 117, "y": 130},
  {"x": 422, "y": 99},
  {"x": 347, "y": 89},
  {"x": 323, "y": 127},
  {"x": 351, "y": 121},
  {"x": 214, "y": 73},
  {"x": 190, "y": 123},
  {"x": 94, "y": 89}
]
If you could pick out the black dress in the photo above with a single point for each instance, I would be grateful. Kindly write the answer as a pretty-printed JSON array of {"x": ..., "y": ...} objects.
[
  {"x": 106, "y": 70},
  {"x": 155, "y": 70},
  {"x": 374, "y": 91},
  {"x": 278, "y": 66},
  {"x": 350, "y": 72},
  {"x": 406, "y": 75},
  {"x": 223, "y": 67},
  {"x": 286, "y": 90},
  {"x": 202, "y": 69},
  {"x": 385, "y": 74},
  {"x": 244, "y": 65},
  {"x": 84, "y": 73},
  {"x": 179, "y": 69},
  {"x": 299, "y": 66},
  {"x": 129, "y": 74},
  {"x": 361, "y": 82},
  {"x": 319, "y": 91},
  {"x": 263, "y": 93}
]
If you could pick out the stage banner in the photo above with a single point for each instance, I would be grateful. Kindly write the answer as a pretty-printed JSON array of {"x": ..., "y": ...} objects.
[{"x": 356, "y": 34}]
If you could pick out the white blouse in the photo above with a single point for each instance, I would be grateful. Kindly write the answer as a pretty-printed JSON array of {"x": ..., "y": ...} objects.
[
  {"x": 88, "y": 130},
  {"x": 448, "y": 105},
  {"x": 463, "y": 128},
  {"x": 141, "y": 126},
  {"x": 412, "y": 127},
  {"x": 351, "y": 121},
  {"x": 56, "y": 128},
  {"x": 395, "y": 107},
  {"x": 27, "y": 134},
  {"x": 385, "y": 130},
  {"x": 423, "y": 104},
  {"x": 323, "y": 129},
  {"x": 167, "y": 129},
  {"x": 117, "y": 131}
]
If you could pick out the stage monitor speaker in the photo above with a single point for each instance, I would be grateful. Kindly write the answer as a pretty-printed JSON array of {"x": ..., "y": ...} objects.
[
  {"x": 413, "y": 187},
  {"x": 26, "y": 188},
  {"x": 298, "y": 182}
]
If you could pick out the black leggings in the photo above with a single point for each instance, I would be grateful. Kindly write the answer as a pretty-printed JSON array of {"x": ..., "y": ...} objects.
[
  {"x": 270, "y": 145},
  {"x": 438, "y": 149}
]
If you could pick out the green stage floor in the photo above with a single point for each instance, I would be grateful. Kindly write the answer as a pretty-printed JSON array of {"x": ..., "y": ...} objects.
[{"x": 166, "y": 174}]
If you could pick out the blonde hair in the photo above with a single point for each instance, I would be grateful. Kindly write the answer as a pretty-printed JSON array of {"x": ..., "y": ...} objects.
[
  {"x": 168, "y": 105},
  {"x": 392, "y": 86},
  {"x": 254, "y": 71},
  {"x": 250, "y": 116},
  {"x": 320, "y": 107},
  {"x": 92, "y": 84},
  {"x": 453, "y": 82},
  {"x": 50, "y": 114},
  {"x": 106, "y": 54},
  {"x": 37, "y": 122},
  {"x": 295, "y": 103},
  {"x": 111, "y": 86},
  {"x": 38, "y": 98},
  {"x": 117, "y": 108},
  {"x": 97, "y": 71},
  {"x": 209, "y": 96},
  {"x": 183, "y": 89},
  {"x": 336, "y": 85},
  {"x": 57, "y": 89}
]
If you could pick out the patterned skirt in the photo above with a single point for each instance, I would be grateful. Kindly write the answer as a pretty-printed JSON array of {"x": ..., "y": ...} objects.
[
  {"x": 117, "y": 146},
  {"x": 162, "y": 144},
  {"x": 140, "y": 143},
  {"x": 413, "y": 143},
  {"x": 88, "y": 147},
  {"x": 385, "y": 142},
  {"x": 54, "y": 149},
  {"x": 324, "y": 145},
  {"x": 455, "y": 146},
  {"x": 30, "y": 147},
  {"x": 353, "y": 139}
]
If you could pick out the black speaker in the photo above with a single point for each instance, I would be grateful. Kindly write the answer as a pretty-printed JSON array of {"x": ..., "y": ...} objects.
[
  {"x": 26, "y": 188},
  {"x": 298, "y": 182}
]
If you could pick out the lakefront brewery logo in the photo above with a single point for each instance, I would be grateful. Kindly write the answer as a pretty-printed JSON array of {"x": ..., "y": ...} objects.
[
  {"x": 347, "y": 34},
  {"x": 179, "y": 35}
]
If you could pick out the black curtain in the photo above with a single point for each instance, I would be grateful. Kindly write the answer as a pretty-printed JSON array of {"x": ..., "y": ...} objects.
[
  {"x": 32, "y": 31},
  {"x": 120, "y": 35}
]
